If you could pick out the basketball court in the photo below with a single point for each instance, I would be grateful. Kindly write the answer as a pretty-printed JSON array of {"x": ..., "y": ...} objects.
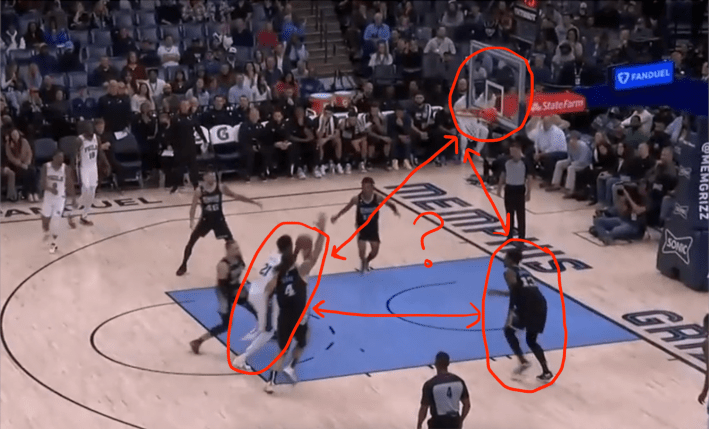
[{"x": 97, "y": 335}]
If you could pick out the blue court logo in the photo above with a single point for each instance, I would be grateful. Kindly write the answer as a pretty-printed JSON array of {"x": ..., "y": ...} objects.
[{"x": 640, "y": 76}]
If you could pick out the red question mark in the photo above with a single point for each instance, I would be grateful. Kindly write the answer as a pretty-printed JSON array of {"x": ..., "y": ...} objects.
[{"x": 427, "y": 263}]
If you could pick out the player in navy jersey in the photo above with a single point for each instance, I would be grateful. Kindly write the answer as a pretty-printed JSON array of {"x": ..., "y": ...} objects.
[
  {"x": 366, "y": 202},
  {"x": 209, "y": 195},
  {"x": 229, "y": 271},
  {"x": 528, "y": 312},
  {"x": 291, "y": 289}
]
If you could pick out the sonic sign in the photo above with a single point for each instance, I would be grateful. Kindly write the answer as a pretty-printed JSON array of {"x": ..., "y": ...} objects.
[{"x": 644, "y": 75}]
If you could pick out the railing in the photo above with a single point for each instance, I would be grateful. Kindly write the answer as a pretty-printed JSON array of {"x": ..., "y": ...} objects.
[{"x": 321, "y": 26}]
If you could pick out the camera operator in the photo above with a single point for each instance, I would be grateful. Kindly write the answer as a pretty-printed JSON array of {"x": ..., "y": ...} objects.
[{"x": 627, "y": 219}]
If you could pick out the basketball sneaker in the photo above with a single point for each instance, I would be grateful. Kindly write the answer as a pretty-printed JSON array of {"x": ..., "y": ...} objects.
[
  {"x": 338, "y": 169},
  {"x": 53, "y": 248},
  {"x": 240, "y": 363},
  {"x": 395, "y": 164},
  {"x": 290, "y": 372},
  {"x": 301, "y": 174},
  {"x": 407, "y": 164},
  {"x": 348, "y": 168},
  {"x": 362, "y": 167},
  {"x": 269, "y": 387},
  {"x": 545, "y": 376},
  {"x": 317, "y": 173}
]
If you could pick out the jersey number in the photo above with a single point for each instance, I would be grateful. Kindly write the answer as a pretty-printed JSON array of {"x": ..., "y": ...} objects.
[
  {"x": 449, "y": 393},
  {"x": 211, "y": 207},
  {"x": 527, "y": 281},
  {"x": 289, "y": 290},
  {"x": 265, "y": 270}
]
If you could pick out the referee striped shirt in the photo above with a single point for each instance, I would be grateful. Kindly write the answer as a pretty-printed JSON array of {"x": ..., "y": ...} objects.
[{"x": 443, "y": 394}]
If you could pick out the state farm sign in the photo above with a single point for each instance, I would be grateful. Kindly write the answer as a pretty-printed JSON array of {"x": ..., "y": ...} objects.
[{"x": 556, "y": 104}]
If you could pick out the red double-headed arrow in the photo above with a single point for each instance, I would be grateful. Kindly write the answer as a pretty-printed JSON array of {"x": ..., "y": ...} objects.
[{"x": 321, "y": 312}]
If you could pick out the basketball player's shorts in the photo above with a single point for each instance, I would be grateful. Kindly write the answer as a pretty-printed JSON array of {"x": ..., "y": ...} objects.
[
  {"x": 89, "y": 177},
  {"x": 286, "y": 324},
  {"x": 266, "y": 308},
  {"x": 532, "y": 320},
  {"x": 369, "y": 233},
  {"x": 53, "y": 206},
  {"x": 219, "y": 226}
]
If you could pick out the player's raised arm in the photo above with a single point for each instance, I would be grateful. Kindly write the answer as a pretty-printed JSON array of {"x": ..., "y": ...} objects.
[
  {"x": 309, "y": 263},
  {"x": 352, "y": 203},
  {"x": 238, "y": 197}
]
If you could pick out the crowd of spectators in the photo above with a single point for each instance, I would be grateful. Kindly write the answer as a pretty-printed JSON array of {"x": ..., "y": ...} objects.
[{"x": 161, "y": 70}]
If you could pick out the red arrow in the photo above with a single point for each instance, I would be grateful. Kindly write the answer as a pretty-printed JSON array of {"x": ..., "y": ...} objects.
[
  {"x": 319, "y": 311},
  {"x": 451, "y": 140},
  {"x": 467, "y": 157}
]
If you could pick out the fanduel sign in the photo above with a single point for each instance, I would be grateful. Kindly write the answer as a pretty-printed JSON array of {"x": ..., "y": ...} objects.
[{"x": 640, "y": 76}]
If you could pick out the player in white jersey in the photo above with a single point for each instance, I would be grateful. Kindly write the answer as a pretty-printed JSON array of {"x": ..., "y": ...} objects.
[
  {"x": 57, "y": 178},
  {"x": 264, "y": 331},
  {"x": 88, "y": 156}
]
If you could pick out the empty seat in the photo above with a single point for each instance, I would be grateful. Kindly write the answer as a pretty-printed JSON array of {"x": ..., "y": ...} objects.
[
  {"x": 96, "y": 52},
  {"x": 150, "y": 34},
  {"x": 77, "y": 79},
  {"x": 102, "y": 38},
  {"x": 146, "y": 18},
  {"x": 193, "y": 31},
  {"x": 122, "y": 19},
  {"x": 128, "y": 156},
  {"x": 91, "y": 65},
  {"x": 171, "y": 30},
  {"x": 147, "y": 5},
  {"x": 44, "y": 150},
  {"x": 21, "y": 56},
  {"x": 80, "y": 37},
  {"x": 119, "y": 62},
  {"x": 59, "y": 79}
]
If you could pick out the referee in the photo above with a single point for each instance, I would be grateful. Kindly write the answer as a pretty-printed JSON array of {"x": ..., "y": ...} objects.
[
  {"x": 442, "y": 393},
  {"x": 516, "y": 181}
]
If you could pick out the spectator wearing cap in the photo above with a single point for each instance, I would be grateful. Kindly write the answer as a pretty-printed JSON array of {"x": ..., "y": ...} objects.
[
  {"x": 194, "y": 53},
  {"x": 549, "y": 145},
  {"x": 442, "y": 395},
  {"x": 241, "y": 35},
  {"x": 399, "y": 128},
  {"x": 440, "y": 44},
  {"x": 123, "y": 43},
  {"x": 579, "y": 158},
  {"x": 168, "y": 53}
]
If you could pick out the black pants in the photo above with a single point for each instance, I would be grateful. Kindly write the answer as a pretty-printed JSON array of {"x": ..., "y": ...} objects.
[
  {"x": 514, "y": 205},
  {"x": 444, "y": 422},
  {"x": 28, "y": 178},
  {"x": 224, "y": 325},
  {"x": 180, "y": 165},
  {"x": 306, "y": 155},
  {"x": 247, "y": 159}
]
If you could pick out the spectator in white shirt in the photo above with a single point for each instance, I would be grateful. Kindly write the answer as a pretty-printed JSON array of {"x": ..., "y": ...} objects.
[
  {"x": 440, "y": 44},
  {"x": 261, "y": 92},
  {"x": 549, "y": 145},
  {"x": 155, "y": 84},
  {"x": 381, "y": 57},
  {"x": 580, "y": 157},
  {"x": 645, "y": 120},
  {"x": 168, "y": 53}
]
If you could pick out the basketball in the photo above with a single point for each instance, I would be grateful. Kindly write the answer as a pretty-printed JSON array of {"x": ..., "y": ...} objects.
[{"x": 305, "y": 243}]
